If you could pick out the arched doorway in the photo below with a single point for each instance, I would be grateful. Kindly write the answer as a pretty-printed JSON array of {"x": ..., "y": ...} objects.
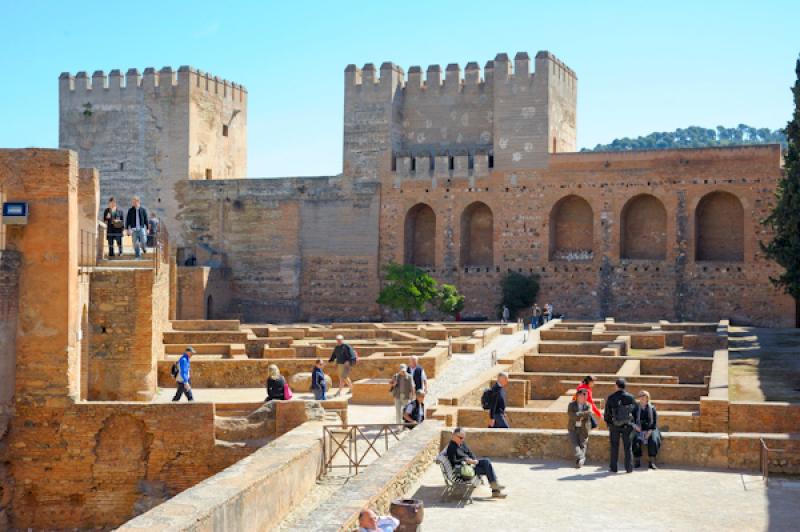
[
  {"x": 420, "y": 236},
  {"x": 477, "y": 235},
  {"x": 719, "y": 228},
  {"x": 644, "y": 229},
  {"x": 571, "y": 229}
]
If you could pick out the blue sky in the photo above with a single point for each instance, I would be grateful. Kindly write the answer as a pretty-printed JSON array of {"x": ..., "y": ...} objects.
[{"x": 641, "y": 67}]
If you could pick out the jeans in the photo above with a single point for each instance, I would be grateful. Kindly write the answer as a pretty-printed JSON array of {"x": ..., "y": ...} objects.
[
  {"x": 627, "y": 441},
  {"x": 484, "y": 467},
  {"x": 111, "y": 239},
  {"x": 139, "y": 241},
  {"x": 182, "y": 390},
  {"x": 579, "y": 441},
  {"x": 319, "y": 394},
  {"x": 500, "y": 422}
]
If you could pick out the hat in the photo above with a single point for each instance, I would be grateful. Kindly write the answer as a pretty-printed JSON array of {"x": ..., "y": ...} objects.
[
  {"x": 403, "y": 367},
  {"x": 190, "y": 349}
]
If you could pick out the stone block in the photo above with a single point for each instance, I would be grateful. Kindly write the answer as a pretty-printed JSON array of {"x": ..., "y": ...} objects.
[
  {"x": 301, "y": 382},
  {"x": 372, "y": 392}
]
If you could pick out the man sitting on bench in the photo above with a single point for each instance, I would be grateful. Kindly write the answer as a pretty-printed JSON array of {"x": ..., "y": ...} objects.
[{"x": 458, "y": 453}]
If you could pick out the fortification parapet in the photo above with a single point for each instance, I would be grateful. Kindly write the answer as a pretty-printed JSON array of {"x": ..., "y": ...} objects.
[
  {"x": 457, "y": 163},
  {"x": 152, "y": 79}
]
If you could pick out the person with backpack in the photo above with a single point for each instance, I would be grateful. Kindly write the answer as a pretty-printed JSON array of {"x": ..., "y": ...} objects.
[
  {"x": 345, "y": 357},
  {"x": 417, "y": 373},
  {"x": 620, "y": 414},
  {"x": 414, "y": 413},
  {"x": 497, "y": 403},
  {"x": 182, "y": 371},
  {"x": 579, "y": 426},
  {"x": 276, "y": 385},
  {"x": 458, "y": 454},
  {"x": 318, "y": 384},
  {"x": 401, "y": 388}
]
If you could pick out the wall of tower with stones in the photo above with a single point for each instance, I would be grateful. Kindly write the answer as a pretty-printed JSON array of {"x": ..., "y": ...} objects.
[{"x": 146, "y": 132}]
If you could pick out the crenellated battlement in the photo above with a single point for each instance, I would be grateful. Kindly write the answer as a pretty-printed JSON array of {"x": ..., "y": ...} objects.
[
  {"x": 501, "y": 68},
  {"x": 150, "y": 80},
  {"x": 444, "y": 163}
]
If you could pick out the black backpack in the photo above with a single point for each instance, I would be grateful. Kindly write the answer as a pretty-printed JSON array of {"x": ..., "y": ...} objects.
[
  {"x": 487, "y": 399},
  {"x": 174, "y": 370},
  {"x": 622, "y": 414}
]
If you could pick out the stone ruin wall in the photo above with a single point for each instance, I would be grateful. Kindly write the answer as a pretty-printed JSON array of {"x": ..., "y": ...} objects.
[
  {"x": 293, "y": 249},
  {"x": 144, "y": 133},
  {"x": 590, "y": 277}
]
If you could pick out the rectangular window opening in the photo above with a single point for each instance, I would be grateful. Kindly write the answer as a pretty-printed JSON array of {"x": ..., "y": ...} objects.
[
  {"x": 208, "y": 173},
  {"x": 224, "y": 130}
]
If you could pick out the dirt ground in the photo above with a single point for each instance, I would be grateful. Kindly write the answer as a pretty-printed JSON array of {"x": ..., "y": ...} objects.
[{"x": 764, "y": 364}]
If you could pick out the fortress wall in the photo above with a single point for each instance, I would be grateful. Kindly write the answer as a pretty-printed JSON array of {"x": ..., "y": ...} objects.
[
  {"x": 295, "y": 248},
  {"x": 145, "y": 132},
  {"x": 606, "y": 282}
]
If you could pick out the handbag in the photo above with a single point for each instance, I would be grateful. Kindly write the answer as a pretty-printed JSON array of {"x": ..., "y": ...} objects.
[
  {"x": 287, "y": 392},
  {"x": 467, "y": 471}
]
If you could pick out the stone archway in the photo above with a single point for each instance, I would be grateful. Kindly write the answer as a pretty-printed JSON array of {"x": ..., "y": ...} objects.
[
  {"x": 477, "y": 235},
  {"x": 643, "y": 231},
  {"x": 420, "y": 236},
  {"x": 719, "y": 228},
  {"x": 571, "y": 229}
]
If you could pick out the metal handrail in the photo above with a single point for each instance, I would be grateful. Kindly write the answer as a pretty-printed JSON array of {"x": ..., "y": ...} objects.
[
  {"x": 765, "y": 459},
  {"x": 344, "y": 439}
]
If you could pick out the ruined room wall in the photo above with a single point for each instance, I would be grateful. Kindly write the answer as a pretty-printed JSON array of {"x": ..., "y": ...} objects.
[
  {"x": 295, "y": 248},
  {"x": 9, "y": 309},
  {"x": 676, "y": 287},
  {"x": 195, "y": 285}
]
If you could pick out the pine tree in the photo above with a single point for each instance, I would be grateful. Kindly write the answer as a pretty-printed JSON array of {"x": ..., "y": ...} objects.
[{"x": 785, "y": 218}]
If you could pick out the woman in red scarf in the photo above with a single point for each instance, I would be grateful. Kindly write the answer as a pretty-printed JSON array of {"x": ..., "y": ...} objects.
[{"x": 586, "y": 384}]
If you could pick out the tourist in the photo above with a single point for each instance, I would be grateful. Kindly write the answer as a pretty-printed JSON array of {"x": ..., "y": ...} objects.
[
  {"x": 550, "y": 314},
  {"x": 620, "y": 413},
  {"x": 647, "y": 431},
  {"x": 136, "y": 224},
  {"x": 368, "y": 521},
  {"x": 458, "y": 453},
  {"x": 587, "y": 384},
  {"x": 152, "y": 231},
  {"x": 536, "y": 318},
  {"x": 115, "y": 224},
  {"x": 318, "y": 384},
  {"x": 547, "y": 312},
  {"x": 401, "y": 389},
  {"x": 276, "y": 385},
  {"x": 414, "y": 413},
  {"x": 579, "y": 426},
  {"x": 184, "y": 375},
  {"x": 497, "y": 411},
  {"x": 344, "y": 356},
  {"x": 417, "y": 372},
  {"x": 506, "y": 314}
]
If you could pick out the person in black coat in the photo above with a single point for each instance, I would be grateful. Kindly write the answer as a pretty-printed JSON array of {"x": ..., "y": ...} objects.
[
  {"x": 458, "y": 453},
  {"x": 497, "y": 411},
  {"x": 115, "y": 225},
  {"x": 620, "y": 414},
  {"x": 647, "y": 432},
  {"x": 276, "y": 385},
  {"x": 136, "y": 223}
]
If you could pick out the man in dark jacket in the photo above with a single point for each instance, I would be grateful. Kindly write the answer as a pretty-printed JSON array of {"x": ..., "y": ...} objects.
[
  {"x": 414, "y": 412},
  {"x": 458, "y": 453},
  {"x": 136, "y": 224},
  {"x": 619, "y": 414},
  {"x": 344, "y": 356},
  {"x": 115, "y": 224},
  {"x": 417, "y": 373},
  {"x": 497, "y": 410}
]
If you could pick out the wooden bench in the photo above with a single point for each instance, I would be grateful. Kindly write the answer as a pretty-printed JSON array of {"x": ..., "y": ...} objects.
[{"x": 454, "y": 484}]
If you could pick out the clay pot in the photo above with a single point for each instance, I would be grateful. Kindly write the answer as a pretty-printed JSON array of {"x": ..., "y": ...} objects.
[{"x": 409, "y": 512}]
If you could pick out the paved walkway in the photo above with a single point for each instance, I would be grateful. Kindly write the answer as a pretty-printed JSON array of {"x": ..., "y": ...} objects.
[{"x": 552, "y": 496}]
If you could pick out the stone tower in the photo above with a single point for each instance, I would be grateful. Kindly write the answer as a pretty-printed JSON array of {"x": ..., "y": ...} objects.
[
  {"x": 147, "y": 132},
  {"x": 511, "y": 117}
]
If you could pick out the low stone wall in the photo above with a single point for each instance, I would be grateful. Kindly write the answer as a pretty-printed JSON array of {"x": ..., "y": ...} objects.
[
  {"x": 253, "y": 494},
  {"x": 745, "y": 451},
  {"x": 390, "y": 477},
  {"x": 764, "y": 417},
  {"x": 585, "y": 364},
  {"x": 689, "y": 370},
  {"x": 551, "y": 385},
  {"x": 252, "y": 373},
  {"x": 372, "y": 392},
  {"x": 540, "y": 418}
]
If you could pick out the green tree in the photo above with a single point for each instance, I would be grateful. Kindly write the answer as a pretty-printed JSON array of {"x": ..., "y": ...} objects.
[
  {"x": 407, "y": 288},
  {"x": 450, "y": 301},
  {"x": 785, "y": 217},
  {"x": 519, "y": 292}
]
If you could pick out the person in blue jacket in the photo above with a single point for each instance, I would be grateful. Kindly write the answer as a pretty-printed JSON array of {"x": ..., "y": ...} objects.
[
  {"x": 318, "y": 384},
  {"x": 184, "y": 376}
]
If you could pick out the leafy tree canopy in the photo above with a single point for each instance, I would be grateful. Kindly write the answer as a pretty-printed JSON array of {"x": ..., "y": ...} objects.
[
  {"x": 697, "y": 137},
  {"x": 450, "y": 301},
  {"x": 519, "y": 292},
  {"x": 785, "y": 217},
  {"x": 409, "y": 288}
]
